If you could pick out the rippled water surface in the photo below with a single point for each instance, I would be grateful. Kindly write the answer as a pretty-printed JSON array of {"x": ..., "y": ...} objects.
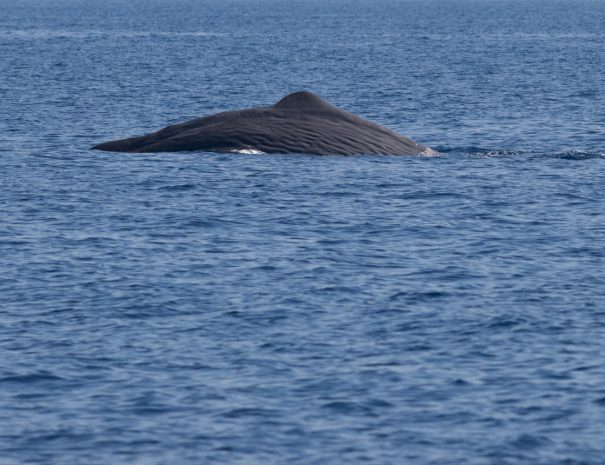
[{"x": 195, "y": 308}]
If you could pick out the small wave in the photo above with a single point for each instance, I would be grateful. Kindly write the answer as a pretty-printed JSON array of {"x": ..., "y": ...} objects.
[
  {"x": 587, "y": 93},
  {"x": 30, "y": 378},
  {"x": 249, "y": 412},
  {"x": 178, "y": 187},
  {"x": 34, "y": 34},
  {"x": 346, "y": 407},
  {"x": 479, "y": 152},
  {"x": 575, "y": 155},
  {"x": 496, "y": 154}
]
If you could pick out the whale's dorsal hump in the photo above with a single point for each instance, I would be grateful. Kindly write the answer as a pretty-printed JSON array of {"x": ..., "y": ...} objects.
[{"x": 303, "y": 100}]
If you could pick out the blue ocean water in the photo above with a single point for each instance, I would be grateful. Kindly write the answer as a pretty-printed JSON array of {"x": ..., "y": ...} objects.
[{"x": 201, "y": 308}]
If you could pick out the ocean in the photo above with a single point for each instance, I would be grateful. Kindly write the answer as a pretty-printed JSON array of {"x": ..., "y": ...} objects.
[{"x": 204, "y": 308}]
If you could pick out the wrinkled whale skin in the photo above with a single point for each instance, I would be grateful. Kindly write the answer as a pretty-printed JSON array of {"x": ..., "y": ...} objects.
[{"x": 301, "y": 122}]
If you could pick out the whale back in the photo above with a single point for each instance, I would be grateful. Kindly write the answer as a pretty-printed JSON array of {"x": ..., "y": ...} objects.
[
  {"x": 304, "y": 101},
  {"x": 301, "y": 122}
]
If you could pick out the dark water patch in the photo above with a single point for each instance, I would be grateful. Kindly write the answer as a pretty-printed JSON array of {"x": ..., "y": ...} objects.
[
  {"x": 587, "y": 93},
  {"x": 528, "y": 441},
  {"x": 28, "y": 379},
  {"x": 347, "y": 408},
  {"x": 178, "y": 187},
  {"x": 249, "y": 412}
]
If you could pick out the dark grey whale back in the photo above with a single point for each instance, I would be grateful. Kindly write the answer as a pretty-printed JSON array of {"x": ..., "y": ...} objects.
[
  {"x": 301, "y": 122},
  {"x": 304, "y": 101}
]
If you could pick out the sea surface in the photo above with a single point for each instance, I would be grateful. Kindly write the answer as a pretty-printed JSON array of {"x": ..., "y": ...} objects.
[{"x": 203, "y": 308}]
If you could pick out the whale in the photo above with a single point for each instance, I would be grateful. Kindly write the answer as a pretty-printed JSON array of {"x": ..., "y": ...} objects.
[{"x": 301, "y": 122}]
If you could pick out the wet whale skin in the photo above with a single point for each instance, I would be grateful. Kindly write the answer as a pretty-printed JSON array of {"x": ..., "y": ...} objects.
[{"x": 301, "y": 122}]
